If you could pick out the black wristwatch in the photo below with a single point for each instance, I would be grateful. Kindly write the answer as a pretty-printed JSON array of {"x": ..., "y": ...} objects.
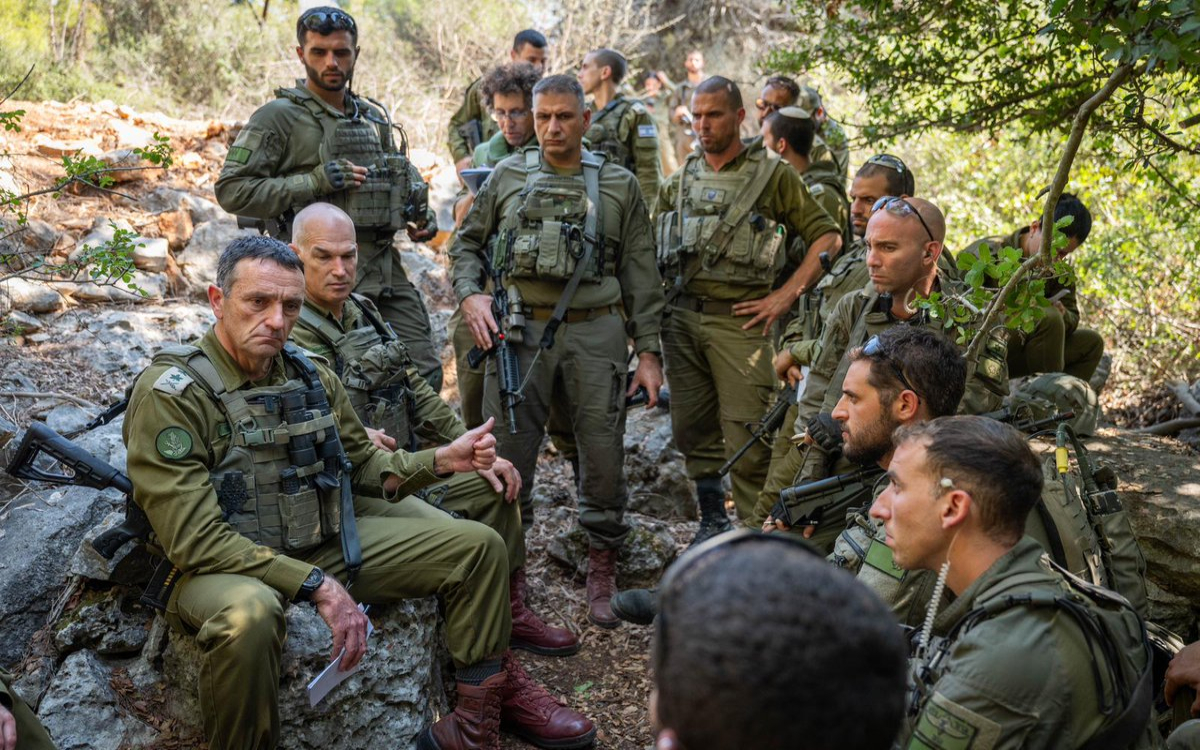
[{"x": 310, "y": 586}]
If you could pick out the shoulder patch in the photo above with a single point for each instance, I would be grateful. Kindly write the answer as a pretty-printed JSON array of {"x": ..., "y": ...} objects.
[
  {"x": 945, "y": 725},
  {"x": 173, "y": 381},
  {"x": 815, "y": 190},
  {"x": 244, "y": 146},
  {"x": 174, "y": 443},
  {"x": 647, "y": 131}
]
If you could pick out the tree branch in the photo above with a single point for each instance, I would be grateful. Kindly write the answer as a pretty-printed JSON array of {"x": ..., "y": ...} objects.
[{"x": 51, "y": 394}]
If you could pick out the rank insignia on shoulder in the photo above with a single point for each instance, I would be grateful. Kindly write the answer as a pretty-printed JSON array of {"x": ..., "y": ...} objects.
[
  {"x": 945, "y": 725},
  {"x": 174, "y": 443},
  {"x": 647, "y": 131},
  {"x": 173, "y": 381}
]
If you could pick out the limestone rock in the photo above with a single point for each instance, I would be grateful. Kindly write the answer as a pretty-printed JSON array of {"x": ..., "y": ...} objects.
[
  {"x": 125, "y": 340},
  {"x": 132, "y": 565},
  {"x": 81, "y": 711},
  {"x": 176, "y": 228},
  {"x": 199, "y": 259},
  {"x": 150, "y": 254},
  {"x": 30, "y": 296},
  {"x": 66, "y": 418},
  {"x": 103, "y": 230},
  {"x": 19, "y": 322},
  {"x": 106, "y": 622},
  {"x": 658, "y": 481},
  {"x": 141, "y": 288},
  {"x": 129, "y": 167},
  {"x": 27, "y": 243},
  {"x": 647, "y": 552}
]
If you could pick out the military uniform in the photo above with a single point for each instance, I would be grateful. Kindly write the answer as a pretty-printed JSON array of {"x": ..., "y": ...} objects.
[
  {"x": 1057, "y": 344},
  {"x": 854, "y": 320},
  {"x": 721, "y": 376},
  {"x": 534, "y": 217},
  {"x": 625, "y": 133},
  {"x": 31, "y": 735},
  {"x": 832, "y": 146},
  {"x": 681, "y": 96},
  {"x": 471, "y": 124},
  {"x": 1025, "y": 673},
  {"x": 216, "y": 464},
  {"x": 270, "y": 173},
  {"x": 388, "y": 394},
  {"x": 659, "y": 108}
]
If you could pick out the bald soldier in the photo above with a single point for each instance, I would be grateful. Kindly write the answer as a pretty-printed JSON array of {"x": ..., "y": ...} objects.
[{"x": 398, "y": 407}]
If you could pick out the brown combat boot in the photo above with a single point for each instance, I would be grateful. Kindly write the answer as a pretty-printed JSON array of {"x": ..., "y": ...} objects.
[
  {"x": 601, "y": 585},
  {"x": 529, "y": 631},
  {"x": 475, "y": 722},
  {"x": 530, "y": 712}
]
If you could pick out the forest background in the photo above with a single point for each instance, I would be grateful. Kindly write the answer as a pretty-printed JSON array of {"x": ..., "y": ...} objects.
[{"x": 1139, "y": 272}]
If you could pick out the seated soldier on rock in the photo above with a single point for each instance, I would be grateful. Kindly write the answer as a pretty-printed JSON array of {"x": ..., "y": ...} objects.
[
  {"x": 1024, "y": 657},
  {"x": 1057, "y": 344},
  {"x": 761, "y": 645},
  {"x": 399, "y": 408},
  {"x": 245, "y": 455}
]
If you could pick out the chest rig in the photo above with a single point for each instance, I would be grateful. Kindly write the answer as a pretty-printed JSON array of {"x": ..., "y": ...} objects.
[
  {"x": 546, "y": 231},
  {"x": 606, "y": 137},
  {"x": 714, "y": 234},
  {"x": 283, "y": 479},
  {"x": 373, "y": 365},
  {"x": 382, "y": 201}
]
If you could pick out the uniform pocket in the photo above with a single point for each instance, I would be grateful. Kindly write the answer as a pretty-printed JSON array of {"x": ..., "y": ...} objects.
[{"x": 300, "y": 520}]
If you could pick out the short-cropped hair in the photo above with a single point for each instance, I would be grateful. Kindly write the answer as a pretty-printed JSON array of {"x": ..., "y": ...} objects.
[
  {"x": 932, "y": 363},
  {"x": 561, "y": 84},
  {"x": 253, "y": 247}
]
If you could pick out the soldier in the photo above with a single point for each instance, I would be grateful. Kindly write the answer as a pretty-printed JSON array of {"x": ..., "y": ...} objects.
[
  {"x": 724, "y": 224},
  {"x": 19, "y": 727},
  {"x": 681, "y": 96},
  {"x": 820, "y": 644},
  {"x": 621, "y": 127},
  {"x": 789, "y": 132},
  {"x": 829, "y": 130},
  {"x": 398, "y": 407},
  {"x": 904, "y": 237},
  {"x": 779, "y": 92},
  {"x": 1183, "y": 683},
  {"x": 656, "y": 88},
  {"x": 1057, "y": 344},
  {"x": 251, "y": 522},
  {"x": 320, "y": 142},
  {"x": 508, "y": 92},
  {"x": 470, "y": 125},
  {"x": 1024, "y": 657},
  {"x": 570, "y": 235}
]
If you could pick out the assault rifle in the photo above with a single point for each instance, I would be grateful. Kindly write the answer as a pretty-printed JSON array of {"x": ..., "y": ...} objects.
[
  {"x": 805, "y": 504},
  {"x": 768, "y": 424},
  {"x": 1023, "y": 419},
  {"x": 85, "y": 471},
  {"x": 507, "y": 364}
]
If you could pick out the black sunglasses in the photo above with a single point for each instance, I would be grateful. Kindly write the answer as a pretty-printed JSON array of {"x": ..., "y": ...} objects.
[
  {"x": 900, "y": 207},
  {"x": 875, "y": 349},
  {"x": 889, "y": 161},
  {"x": 327, "y": 21}
]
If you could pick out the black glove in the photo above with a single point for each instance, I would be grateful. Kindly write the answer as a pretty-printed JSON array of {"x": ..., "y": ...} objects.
[
  {"x": 825, "y": 432},
  {"x": 332, "y": 176}
]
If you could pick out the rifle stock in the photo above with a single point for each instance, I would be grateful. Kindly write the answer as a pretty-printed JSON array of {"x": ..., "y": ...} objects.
[
  {"x": 769, "y": 423},
  {"x": 805, "y": 504}
]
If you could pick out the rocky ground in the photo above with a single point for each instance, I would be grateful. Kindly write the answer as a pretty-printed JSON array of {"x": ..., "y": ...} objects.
[{"x": 86, "y": 648}]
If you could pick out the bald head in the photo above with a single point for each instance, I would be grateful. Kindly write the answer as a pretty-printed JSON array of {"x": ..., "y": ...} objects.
[
  {"x": 323, "y": 237},
  {"x": 933, "y": 218}
]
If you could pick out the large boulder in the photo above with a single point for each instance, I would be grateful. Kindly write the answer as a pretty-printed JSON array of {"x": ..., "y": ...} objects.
[
  {"x": 199, "y": 259},
  {"x": 658, "y": 481},
  {"x": 121, "y": 342},
  {"x": 82, "y": 711},
  {"x": 648, "y": 550},
  {"x": 29, "y": 296}
]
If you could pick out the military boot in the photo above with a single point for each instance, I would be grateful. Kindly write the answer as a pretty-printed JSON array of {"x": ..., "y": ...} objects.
[
  {"x": 475, "y": 722},
  {"x": 639, "y": 606},
  {"x": 710, "y": 496},
  {"x": 530, "y": 712},
  {"x": 601, "y": 585},
  {"x": 529, "y": 632}
]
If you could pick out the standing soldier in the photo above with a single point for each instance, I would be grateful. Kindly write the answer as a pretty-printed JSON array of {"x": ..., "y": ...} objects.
[
  {"x": 471, "y": 125},
  {"x": 829, "y": 130},
  {"x": 656, "y": 97},
  {"x": 568, "y": 237},
  {"x": 621, "y": 127},
  {"x": 684, "y": 135},
  {"x": 320, "y": 142},
  {"x": 724, "y": 224}
]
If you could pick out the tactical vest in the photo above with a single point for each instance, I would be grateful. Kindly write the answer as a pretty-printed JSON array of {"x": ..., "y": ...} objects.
[
  {"x": 373, "y": 365},
  {"x": 543, "y": 234},
  {"x": 605, "y": 134},
  {"x": 382, "y": 201},
  {"x": 831, "y": 287},
  {"x": 713, "y": 234},
  {"x": 273, "y": 483}
]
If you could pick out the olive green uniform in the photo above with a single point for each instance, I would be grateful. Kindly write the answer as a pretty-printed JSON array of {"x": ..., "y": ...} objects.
[
  {"x": 1057, "y": 344},
  {"x": 420, "y": 413},
  {"x": 233, "y": 592},
  {"x": 625, "y": 133},
  {"x": 31, "y": 735},
  {"x": 683, "y": 135},
  {"x": 721, "y": 376},
  {"x": 620, "y": 298},
  {"x": 268, "y": 174},
  {"x": 659, "y": 108},
  {"x": 854, "y": 320},
  {"x": 470, "y": 125},
  {"x": 832, "y": 146},
  {"x": 1026, "y": 676}
]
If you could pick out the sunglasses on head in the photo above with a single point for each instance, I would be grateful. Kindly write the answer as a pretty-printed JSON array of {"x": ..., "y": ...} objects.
[
  {"x": 325, "y": 21},
  {"x": 889, "y": 161},
  {"x": 900, "y": 207},
  {"x": 875, "y": 349}
]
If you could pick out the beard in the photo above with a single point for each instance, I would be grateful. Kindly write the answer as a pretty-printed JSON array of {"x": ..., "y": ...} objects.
[
  {"x": 314, "y": 75},
  {"x": 870, "y": 444}
]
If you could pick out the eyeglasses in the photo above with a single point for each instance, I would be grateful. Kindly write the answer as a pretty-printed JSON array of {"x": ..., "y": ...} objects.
[
  {"x": 512, "y": 114},
  {"x": 874, "y": 348},
  {"x": 326, "y": 21},
  {"x": 900, "y": 207},
  {"x": 765, "y": 106},
  {"x": 889, "y": 161}
]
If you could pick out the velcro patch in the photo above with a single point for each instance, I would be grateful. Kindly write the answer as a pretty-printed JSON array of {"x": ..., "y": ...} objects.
[
  {"x": 815, "y": 190},
  {"x": 647, "y": 131},
  {"x": 713, "y": 195},
  {"x": 174, "y": 443},
  {"x": 239, "y": 155},
  {"x": 173, "y": 381},
  {"x": 945, "y": 725},
  {"x": 879, "y": 556}
]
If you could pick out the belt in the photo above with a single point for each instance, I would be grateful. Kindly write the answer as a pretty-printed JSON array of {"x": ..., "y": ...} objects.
[
  {"x": 704, "y": 306},
  {"x": 572, "y": 316}
]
